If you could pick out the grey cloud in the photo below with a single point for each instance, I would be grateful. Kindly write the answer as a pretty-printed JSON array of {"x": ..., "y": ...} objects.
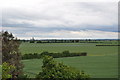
[{"x": 51, "y": 17}]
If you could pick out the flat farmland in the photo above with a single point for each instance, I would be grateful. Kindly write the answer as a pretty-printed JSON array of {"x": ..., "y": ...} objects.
[
  {"x": 95, "y": 66},
  {"x": 101, "y": 61},
  {"x": 90, "y": 48}
]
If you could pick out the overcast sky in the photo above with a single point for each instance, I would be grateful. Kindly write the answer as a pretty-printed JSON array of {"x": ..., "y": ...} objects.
[{"x": 61, "y": 19}]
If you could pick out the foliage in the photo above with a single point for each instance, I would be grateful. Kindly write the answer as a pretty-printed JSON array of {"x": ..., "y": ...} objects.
[
  {"x": 38, "y": 41},
  {"x": 55, "y": 55},
  {"x": 10, "y": 52},
  {"x": 32, "y": 40},
  {"x": 6, "y": 70},
  {"x": 53, "y": 70},
  {"x": 68, "y": 41}
]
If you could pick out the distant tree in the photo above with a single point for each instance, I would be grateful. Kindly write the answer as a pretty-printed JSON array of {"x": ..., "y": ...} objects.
[
  {"x": 66, "y": 53},
  {"x": 32, "y": 40},
  {"x": 52, "y": 70},
  {"x": 39, "y": 42},
  {"x": 10, "y": 52},
  {"x": 76, "y": 41}
]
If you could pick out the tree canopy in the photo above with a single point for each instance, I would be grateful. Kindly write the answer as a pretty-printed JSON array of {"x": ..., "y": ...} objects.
[
  {"x": 53, "y": 70},
  {"x": 10, "y": 52}
]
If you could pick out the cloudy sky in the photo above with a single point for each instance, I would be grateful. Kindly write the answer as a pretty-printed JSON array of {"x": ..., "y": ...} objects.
[{"x": 61, "y": 19}]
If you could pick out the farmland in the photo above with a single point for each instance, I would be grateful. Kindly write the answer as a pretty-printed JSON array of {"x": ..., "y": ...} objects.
[
  {"x": 90, "y": 48},
  {"x": 101, "y": 62},
  {"x": 95, "y": 66}
]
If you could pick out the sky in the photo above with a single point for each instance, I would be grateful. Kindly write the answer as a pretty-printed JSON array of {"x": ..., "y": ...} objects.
[{"x": 60, "y": 19}]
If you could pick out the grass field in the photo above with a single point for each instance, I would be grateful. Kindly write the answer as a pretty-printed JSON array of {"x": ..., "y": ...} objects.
[
  {"x": 95, "y": 66},
  {"x": 90, "y": 48},
  {"x": 101, "y": 62}
]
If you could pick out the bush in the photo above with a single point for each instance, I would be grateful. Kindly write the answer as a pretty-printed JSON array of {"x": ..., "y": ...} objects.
[
  {"x": 6, "y": 70},
  {"x": 52, "y": 70},
  {"x": 45, "y": 53},
  {"x": 55, "y": 55},
  {"x": 84, "y": 54},
  {"x": 39, "y": 42}
]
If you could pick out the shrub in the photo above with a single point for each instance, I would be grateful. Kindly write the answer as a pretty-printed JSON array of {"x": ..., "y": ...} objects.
[
  {"x": 84, "y": 54},
  {"x": 55, "y": 55},
  {"x": 45, "y": 53},
  {"x": 6, "y": 70},
  {"x": 39, "y": 42},
  {"x": 52, "y": 70}
]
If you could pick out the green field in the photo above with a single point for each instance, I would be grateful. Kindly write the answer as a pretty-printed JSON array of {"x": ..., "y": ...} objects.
[
  {"x": 96, "y": 67},
  {"x": 101, "y": 62},
  {"x": 90, "y": 48}
]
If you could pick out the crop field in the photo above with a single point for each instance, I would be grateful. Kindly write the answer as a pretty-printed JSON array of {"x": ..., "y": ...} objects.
[
  {"x": 90, "y": 48},
  {"x": 101, "y": 61},
  {"x": 95, "y": 66}
]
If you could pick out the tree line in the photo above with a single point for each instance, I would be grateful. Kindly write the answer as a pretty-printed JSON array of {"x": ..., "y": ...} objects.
[
  {"x": 54, "y": 55},
  {"x": 67, "y": 41}
]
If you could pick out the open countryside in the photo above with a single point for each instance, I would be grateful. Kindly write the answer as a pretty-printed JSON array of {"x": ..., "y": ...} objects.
[
  {"x": 59, "y": 40},
  {"x": 100, "y": 62}
]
